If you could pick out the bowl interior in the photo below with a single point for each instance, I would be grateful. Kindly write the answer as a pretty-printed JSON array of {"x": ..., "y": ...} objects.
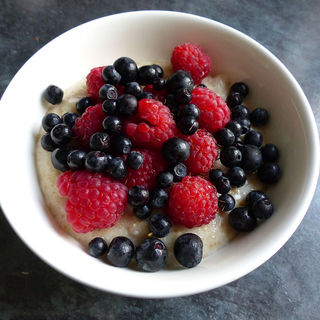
[{"x": 151, "y": 36}]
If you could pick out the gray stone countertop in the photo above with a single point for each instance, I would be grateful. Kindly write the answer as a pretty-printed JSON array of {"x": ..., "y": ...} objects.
[{"x": 285, "y": 287}]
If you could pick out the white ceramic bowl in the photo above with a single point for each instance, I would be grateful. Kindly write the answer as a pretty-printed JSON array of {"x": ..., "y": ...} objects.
[{"x": 151, "y": 35}]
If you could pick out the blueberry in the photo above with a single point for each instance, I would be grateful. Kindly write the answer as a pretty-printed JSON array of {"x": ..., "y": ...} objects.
[
  {"x": 142, "y": 212},
  {"x": 226, "y": 202},
  {"x": 270, "y": 153},
  {"x": 240, "y": 111},
  {"x": 151, "y": 255},
  {"x": 254, "y": 196},
  {"x": 53, "y": 94},
  {"x": 183, "y": 96},
  {"x": 236, "y": 176},
  {"x": 190, "y": 110},
  {"x": 222, "y": 185},
  {"x": 120, "y": 252},
  {"x": 138, "y": 196},
  {"x": 188, "y": 125},
  {"x": 251, "y": 158},
  {"x": 230, "y": 156},
  {"x": 259, "y": 117},
  {"x": 233, "y": 99},
  {"x": 59, "y": 159},
  {"x": 83, "y": 104},
  {"x": 225, "y": 137},
  {"x": 262, "y": 209},
  {"x": 159, "y": 225},
  {"x": 69, "y": 118},
  {"x": 47, "y": 143},
  {"x": 121, "y": 144},
  {"x": 214, "y": 174},
  {"x": 238, "y": 143},
  {"x": 111, "y": 75},
  {"x": 245, "y": 124},
  {"x": 112, "y": 125},
  {"x": 127, "y": 68},
  {"x": 253, "y": 137},
  {"x": 171, "y": 103},
  {"x": 240, "y": 220},
  {"x": 133, "y": 88},
  {"x": 147, "y": 74},
  {"x": 127, "y": 105},
  {"x": 49, "y": 121},
  {"x": 118, "y": 168},
  {"x": 165, "y": 179},
  {"x": 176, "y": 150},
  {"x": 269, "y": 172},
  {"x": 97, "y": 161},
  {"x": 61, "y": 134},
  {"x": 108, "y": 91},
  {"x": 145, "y": 95},
  {"x": 188, "y": 250},
  {"x": 159, "y": 84},
  {"x": 135, "y": 160},
  {"x": 76, "y": 159},
  {"x": 158, "y": 198},
  {"x": 109, "y": 107},
  {"x": 241, "y": 88},
  {"x": 159, "y": 70},
  {"x": 97, "y": 247},
  {"x": 179, "y": 80},
  {"x": 235, "y": 127},
  {"x": 99, "y": 141},
  {"x": 179, "y": 171}
]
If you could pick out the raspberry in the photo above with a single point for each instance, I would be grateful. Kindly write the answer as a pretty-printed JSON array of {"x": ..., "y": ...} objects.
[
  {"x": 152, "y": 125},
  {"x": 89, "y": 123},
  {"x": 203, "y": 152},
  {"x": 192, "y": 58},
  {"x": 95, "y": 82},
  {"x": 214, "y": 112},
  {"x": 146, "y": 175},
  {"x": 94, "y": 200},
  {"x": 193, "y": 202},
  {"x": 157, "y": 95}
]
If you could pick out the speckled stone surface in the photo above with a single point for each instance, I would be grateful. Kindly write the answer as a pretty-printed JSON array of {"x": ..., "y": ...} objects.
[{"x": 285, "y": 287}]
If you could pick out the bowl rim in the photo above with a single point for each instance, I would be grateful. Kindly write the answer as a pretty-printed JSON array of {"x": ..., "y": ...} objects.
[{"x": 314, "y": 161}]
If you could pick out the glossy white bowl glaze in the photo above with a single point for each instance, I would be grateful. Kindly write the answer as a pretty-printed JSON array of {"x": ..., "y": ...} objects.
[{"x": 151, "y": 35}]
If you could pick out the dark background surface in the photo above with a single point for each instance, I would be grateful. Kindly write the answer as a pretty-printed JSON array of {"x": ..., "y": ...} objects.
[{"x": 285, "y": 287}]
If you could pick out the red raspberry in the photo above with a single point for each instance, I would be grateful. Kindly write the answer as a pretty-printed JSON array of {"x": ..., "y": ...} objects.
[
  {"x": 95, "y": 82},
  {"x": 157, "y": 95},
  {"x": 94, "y": 200},
  {"x": 146, "y": 175},
  {"x": 214, "y": 112},
  {"x": 64, "y": 183},
  {"x": 193, "y": 202},
  {"x": 152, "y": 125},
  {"x": 203, "y": 152},
  {"x": 89, "y": 123},
  {"x": 192, "y": 58}
]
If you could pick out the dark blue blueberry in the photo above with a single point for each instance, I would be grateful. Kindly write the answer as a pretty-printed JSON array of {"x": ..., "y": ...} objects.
[
  {"x": 135, "y": 160},
  {"x": 230, "y": 156},
  {"x": 245, "y": 124},
  {"x": 188, "y": 250},
  {"x": 238, "y": 143},
  {"x": 59, "y": 159},
  {"x": 240, "y": 220},
  {"x": 165, "y": 179},
  {"x": 179, "y": 171},
  {"x": 112, "y": 125},
  {"x": 236, "y": 176},
  {"x": 190, "y": 110},
  {"x": 120, "y": 252},
  {"x": 262, "y": 209},
  {"x": 269, "y": 172},
  {"x": 270, "y": 153},
  {"x": 214, "y": 174},
  {"x": 171, "y": 103},
  {"x": 111, "y": 75},
  {"x": 127, "y": 68},
  {"x": 145, "y": 95},
  {"x": 97, "y": 161},
  {"x": 176, "y": 150},
  {"x": 259, "y": 117},
  {"x": 53, "y": 94},
  {"x": 69, "y": 118},
  {"x": 97, "y": 247},
  {"x": 147, "y": 74},
  {"x": 127, "y": 105},
  {"x": 118, "y": 168},
  {"x": 76, "y": 159},
  {"x": 254, "y": 196},
  {"x": 109, "y": 107},
  {"x": 49, "y": 121},
  {"x": 240, "y": 111},
  {"x": 179, "y": 80},
  {"x": 138, "y": 196},
  {"x": 251, "y": 158},
  {"x": 188, "y": 125},
  {"x": 121, "y": 144},
  {"x": 99, "y": 141},
  {"x": 159, "y": 225},
  {"x": 47, "y": 143},
  {"x": 225, "y": 137},
  {"x": 159, "y": 70},
  {"x": 83, "y": 104},
  {"x": 241, "y": 88},
  {"x": 222, "y": 185},
  {"x": 108, "y": 91},
  {"x": 61, "y": 134},
  {"x": 253, "y": 137},
  {"x": 133, "y": 88},
  {"x": 226, "y": 202},
  {"x": 235, "y": 127},
  {"x": 142, "y": 212},
  {"x": 183, "y": 96},
  {"x": 159, "y": 84},
  {"x": 151, "y": 255},
  {"x": 158, "y": 198},
  {"x": 234, "y": 99}
]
